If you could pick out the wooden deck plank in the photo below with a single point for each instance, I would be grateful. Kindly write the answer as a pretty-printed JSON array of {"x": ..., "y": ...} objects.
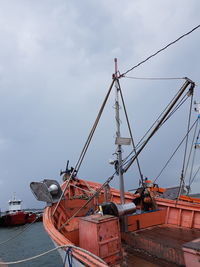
[{"x": 162, "y": 241}]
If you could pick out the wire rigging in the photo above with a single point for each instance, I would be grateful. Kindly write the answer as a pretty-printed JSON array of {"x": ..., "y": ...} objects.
[
  {"x": 182, "y": 178},
  {"x": 84, "y": 150},
  {"x": 195, "y": 175},
  {"x": 182, "y": 101},
  {"x": 170, "y": 108},
  {"x": 190, "y": 153},
  {"x": 101, "y": 110},
  {"x": 192, "y": 167},
  {"x": 130, "y": 132},
  {"x": 157, "y": 119},
  {"x": 157, "y": 52},
  {"x": 153, "y": 78},
  {"x": 174, "y": 152},
  {"x": 178, "y": 105}
]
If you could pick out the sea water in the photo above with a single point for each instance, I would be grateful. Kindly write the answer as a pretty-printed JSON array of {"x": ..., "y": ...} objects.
[{"x": 33, "y": 241}]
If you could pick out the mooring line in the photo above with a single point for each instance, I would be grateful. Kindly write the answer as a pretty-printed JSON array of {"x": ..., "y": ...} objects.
[{"x": 51, "y": 250}]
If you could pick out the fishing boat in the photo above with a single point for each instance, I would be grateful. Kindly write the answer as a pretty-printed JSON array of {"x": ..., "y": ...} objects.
[
  {"x": 94, "y": 224},
  {"x": 15, "y": 215}
]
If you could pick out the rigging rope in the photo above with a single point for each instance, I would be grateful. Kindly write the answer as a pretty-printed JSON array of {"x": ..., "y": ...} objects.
[
  {"x": 93, "y": 128},
  {"x": 18, "y": 234},
  {"x": 192, "y": 179},
  {"x": 190, "y": 153},
  {"x": 157, "y": 119},
  {"x": 191, "y": 171},
  {"x": 141, "y": 142},
  {"x": 153, "y": 78},
  {"x": 195, "y": 175},
  {"x": 88, "y": 201},
  {"x": 111, "y": 177},
  {"x": 174, "y": 152},
  {"x": 84, "y": 150},
  {"x": 162, "y": 49},
  {"x": 130, "y": 132},
  {"x": 175, "y": 109},
  {"x": 182, "y": 101},
  {"x": 98, "y": 191},
  {"x": 182, "y": 178},
  {"x": 163, "y": 118}
]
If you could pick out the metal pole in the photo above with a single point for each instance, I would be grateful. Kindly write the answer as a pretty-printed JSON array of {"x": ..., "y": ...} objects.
[{"x": 119, "y": 150}]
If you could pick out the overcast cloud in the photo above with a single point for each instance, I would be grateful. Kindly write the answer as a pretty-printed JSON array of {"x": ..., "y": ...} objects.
[{"x": 56, "y": 64}]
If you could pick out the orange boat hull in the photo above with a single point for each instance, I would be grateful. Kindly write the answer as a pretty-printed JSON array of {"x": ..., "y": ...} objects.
[{"x": 179, "y": 214}]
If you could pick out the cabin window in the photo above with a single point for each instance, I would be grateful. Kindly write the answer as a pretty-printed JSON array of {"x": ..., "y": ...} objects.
[{"x": 15, "y": 203}]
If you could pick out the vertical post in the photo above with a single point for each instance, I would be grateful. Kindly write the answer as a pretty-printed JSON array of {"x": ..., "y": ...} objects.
[{"x": 119, "y": 149}]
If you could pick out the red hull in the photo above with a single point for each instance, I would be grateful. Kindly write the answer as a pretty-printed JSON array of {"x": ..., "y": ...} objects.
[{"x": 17, "y": 218}]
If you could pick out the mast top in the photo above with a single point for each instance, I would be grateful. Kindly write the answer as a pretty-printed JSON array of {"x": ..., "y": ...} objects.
[
  {"x": 115, "y": 75},
  {"x": 116, "y": 67}
]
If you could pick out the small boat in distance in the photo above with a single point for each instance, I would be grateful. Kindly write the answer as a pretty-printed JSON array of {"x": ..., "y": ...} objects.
[
  {"x": 15, "y": 215},
  {"x": 97, "y": 225}
]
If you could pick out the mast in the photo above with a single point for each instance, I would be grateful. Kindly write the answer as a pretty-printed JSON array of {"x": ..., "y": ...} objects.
[{"x": 118, "y": 135}]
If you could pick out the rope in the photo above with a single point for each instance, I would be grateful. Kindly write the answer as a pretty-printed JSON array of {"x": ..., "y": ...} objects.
[
  {"x": 93, "y": 129},
  {"x": 162, "y": 49},
  {"x": 157, "y": 119},
  {"x": 163, "y": 118},
  {"x": 84, "y": 150},
  {"x": 182, "y": 101},
  {"x": 190, "y": 153},
  {"x": 182, "y": 178},
  {"x": 97, "y": 192},
  {"x": 130, "y": 132},
  {"x": 91, "y": 190},
  {"x": 13, "y": 237},
  {"x": 174, "y": 152},
  {"x": 88, "y": 201},
  {"x": 192, "y": 179},
  {"x": 140, "y": 144},
  {"x": 195, "y": 175},
  {"x": 191, "y": 171},
  {"x": 51, "y": 250},
  {"x": 153, "y": 79}
]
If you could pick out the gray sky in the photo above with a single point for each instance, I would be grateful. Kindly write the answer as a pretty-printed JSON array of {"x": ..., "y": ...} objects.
[{"x": 56, "y": 64}]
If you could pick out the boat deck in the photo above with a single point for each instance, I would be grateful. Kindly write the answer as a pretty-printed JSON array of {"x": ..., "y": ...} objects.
[
  {"x": 134, "y": 257},
  {"x": 161, "y": 242}
]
